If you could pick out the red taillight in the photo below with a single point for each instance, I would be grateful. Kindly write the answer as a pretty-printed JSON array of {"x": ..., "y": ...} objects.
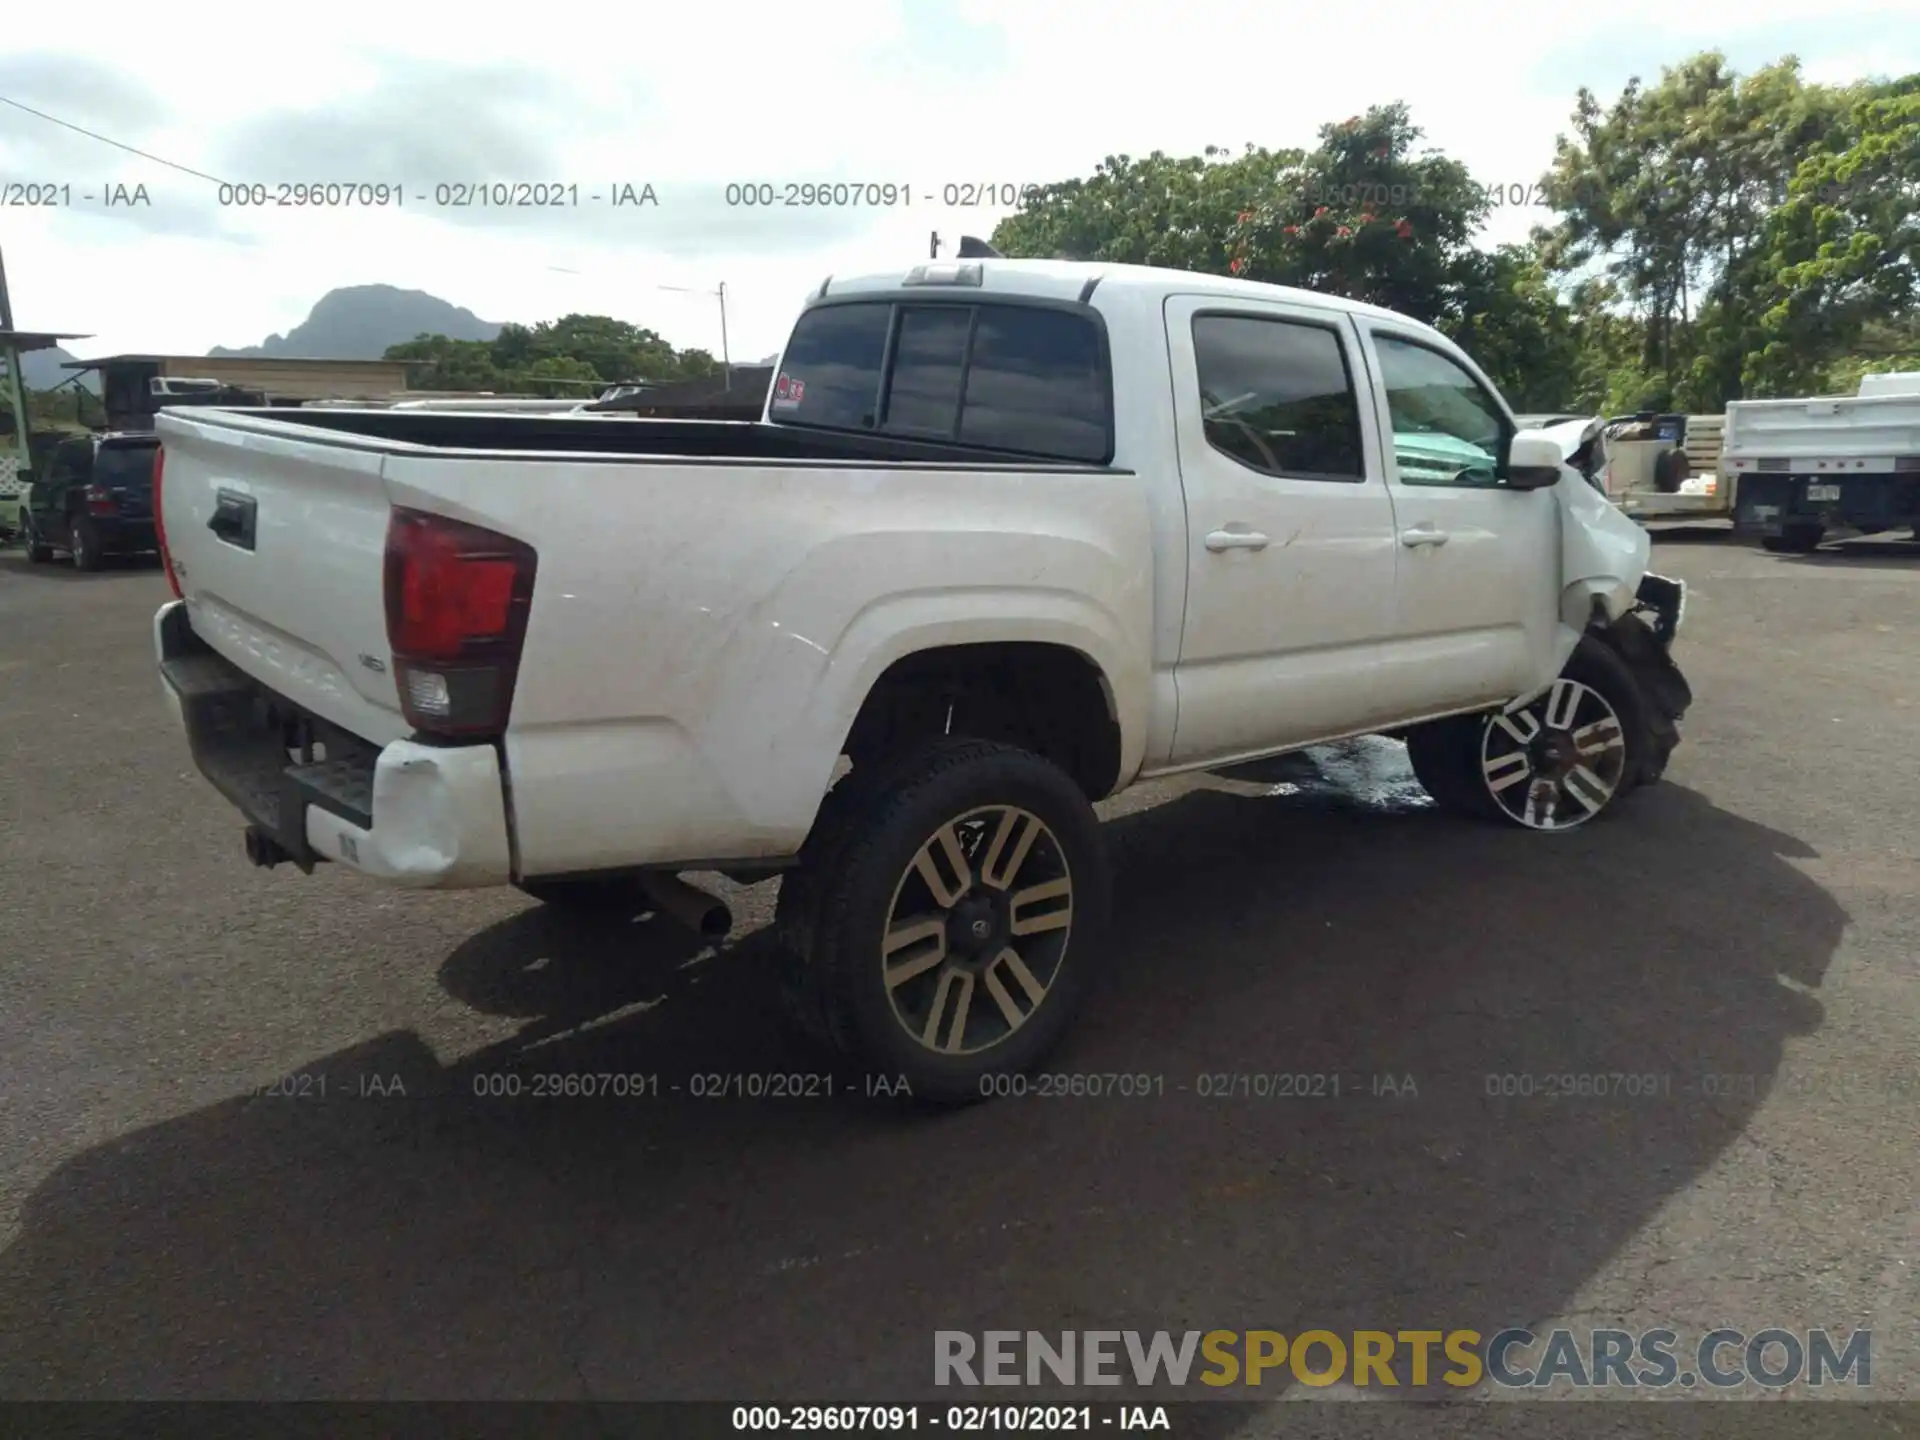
[
  {"x": 457, "y": 603},
  {"x": 160, "y": 524},
  {"x": 100, "y": 501}
]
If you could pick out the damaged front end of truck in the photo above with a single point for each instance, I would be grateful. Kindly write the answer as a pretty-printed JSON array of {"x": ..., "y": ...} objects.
[{"x": 1609, "y": 593}]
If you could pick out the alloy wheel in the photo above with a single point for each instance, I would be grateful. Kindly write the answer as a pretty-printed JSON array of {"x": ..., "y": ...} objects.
[
  {"x": 1557, "y": 762},
  {"x": 985, "y": 905}
]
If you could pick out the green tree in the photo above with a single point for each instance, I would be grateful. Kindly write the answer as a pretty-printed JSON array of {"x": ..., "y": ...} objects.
[
  {"x": 1368, "y": 213},
  {"x": 1840, "y": 257},
  {"x": 1513, "y": 321},
  {"x": 568, "y": 356},
  {"x": 1365, "y": 214},
  {"x": 1667, "y": 192},
  {"x": 437, "y": 363}
]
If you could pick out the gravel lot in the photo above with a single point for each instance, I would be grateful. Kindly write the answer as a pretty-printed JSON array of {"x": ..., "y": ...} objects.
[{"x": 1748, "y": 930}]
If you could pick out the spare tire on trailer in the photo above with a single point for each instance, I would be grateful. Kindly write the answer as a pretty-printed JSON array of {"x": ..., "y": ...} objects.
[{"x": 1670, "y": 471}]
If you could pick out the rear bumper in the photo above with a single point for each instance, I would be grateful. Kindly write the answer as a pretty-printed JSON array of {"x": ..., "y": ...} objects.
[
  {"x": 420, "y": 816},
  {"x": 1771, "y": 505},
  {"x": 119, "y": 532}
]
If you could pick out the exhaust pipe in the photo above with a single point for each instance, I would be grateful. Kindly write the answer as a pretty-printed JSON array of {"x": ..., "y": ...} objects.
[
  {"x": 706, "y": 915},
  {"x": 263, "y": 850}
]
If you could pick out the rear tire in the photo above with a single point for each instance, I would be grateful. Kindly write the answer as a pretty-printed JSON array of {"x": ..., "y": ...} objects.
[
  {"x": 1797, "y": 540},
  {"x": 1566, "y": 758},
  {"x": 948, "y": 922},
  {"x": 84, "y": 545}
]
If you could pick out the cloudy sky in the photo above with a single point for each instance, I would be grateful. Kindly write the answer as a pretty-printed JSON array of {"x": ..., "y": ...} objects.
[{"x": 919, "y": 94}]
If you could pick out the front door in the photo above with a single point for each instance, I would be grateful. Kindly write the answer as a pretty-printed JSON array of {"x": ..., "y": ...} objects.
[
  {"x": 56, "y": 491},
  {"x": 1290, "y": 531},
  {"x": 1479, "y": 577}
]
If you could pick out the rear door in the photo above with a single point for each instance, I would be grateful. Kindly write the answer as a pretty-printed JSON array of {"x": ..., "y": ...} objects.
[
  {"x": 1291, "y": 553},
  {"x": 1478, "y": 589},
  {"x": 278, "y": 539}
]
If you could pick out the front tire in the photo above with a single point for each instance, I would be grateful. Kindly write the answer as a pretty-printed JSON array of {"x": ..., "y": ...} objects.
[
  {"x": 1565, "y": 758},
  {"x": 38, "y": 553},
  {"x": 952, "y": 922}
]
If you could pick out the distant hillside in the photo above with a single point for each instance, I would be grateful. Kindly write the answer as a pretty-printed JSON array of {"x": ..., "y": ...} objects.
[
  {"x": 41, "y": 370},
  {"x": 359, "y": 322}
]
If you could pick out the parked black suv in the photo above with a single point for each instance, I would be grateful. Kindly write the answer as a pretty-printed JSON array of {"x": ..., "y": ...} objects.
[{"x": 95, "y": 500}]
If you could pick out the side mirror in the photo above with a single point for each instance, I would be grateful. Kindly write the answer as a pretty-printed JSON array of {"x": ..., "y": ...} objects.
[{"x": 1533, "y": 461}]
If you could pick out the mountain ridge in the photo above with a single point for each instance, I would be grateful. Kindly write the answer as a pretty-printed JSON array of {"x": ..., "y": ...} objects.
[{"x": 360, "y": 322}]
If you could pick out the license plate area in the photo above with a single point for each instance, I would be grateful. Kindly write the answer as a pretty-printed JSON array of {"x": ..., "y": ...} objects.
[{"x": 1817, "y": 492}]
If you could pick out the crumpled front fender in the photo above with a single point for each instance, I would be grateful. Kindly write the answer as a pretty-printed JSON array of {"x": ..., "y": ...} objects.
[{"x": 1603, "y": 554}]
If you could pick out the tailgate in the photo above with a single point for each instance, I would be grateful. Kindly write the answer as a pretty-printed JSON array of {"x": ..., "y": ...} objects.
[
  {"x": 278, "y": 539},
  {"x": 124, "y": 470}
]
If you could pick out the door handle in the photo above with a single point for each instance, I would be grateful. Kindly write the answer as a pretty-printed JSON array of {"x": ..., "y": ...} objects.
[
  {"x": 233, "y": 518},
  {"x": 1422, "y": 535},
  {"x": 1236, "y": 540}
]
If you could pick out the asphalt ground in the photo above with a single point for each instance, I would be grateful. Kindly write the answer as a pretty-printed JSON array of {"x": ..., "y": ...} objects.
[{"x": 256, "y": 1139}]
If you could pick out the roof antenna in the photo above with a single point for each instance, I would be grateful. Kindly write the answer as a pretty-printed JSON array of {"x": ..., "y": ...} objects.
[{"x": 974, "y": 248}]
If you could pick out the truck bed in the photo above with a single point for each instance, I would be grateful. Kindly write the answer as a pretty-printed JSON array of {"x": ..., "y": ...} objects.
[
  {"x": 1809, "y": 467},
  {"x": 1836, "y": 427},
  {"x": 703, "y": 626},
  {"x": 676, "y": 441}
]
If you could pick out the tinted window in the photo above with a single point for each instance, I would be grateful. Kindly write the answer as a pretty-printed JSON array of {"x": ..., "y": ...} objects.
[
  {"x": 1038, "y": 382},
  {"x": 924, "y": 398},
  {"x": 73, "y": 461},
  {"x": 835, "y": 352},
  {"x": 1276, "y": 396},
  {"x": 124, "y": 465},
  {"x": 1447, "y": 430}
]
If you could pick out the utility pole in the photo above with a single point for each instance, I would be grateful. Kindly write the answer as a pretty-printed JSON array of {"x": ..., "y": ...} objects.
[
  {"x": 726, "y": 355},
  {"x": 15, "y": 392}
]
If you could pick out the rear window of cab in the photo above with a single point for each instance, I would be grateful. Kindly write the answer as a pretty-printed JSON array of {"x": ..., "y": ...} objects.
[{"x": 1026, "y": 379}]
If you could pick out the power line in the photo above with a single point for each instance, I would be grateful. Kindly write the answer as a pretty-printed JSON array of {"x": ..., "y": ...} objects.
[{"x": 108, "y": 140}]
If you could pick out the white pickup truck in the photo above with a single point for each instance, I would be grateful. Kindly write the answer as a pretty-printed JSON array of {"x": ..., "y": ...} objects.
[
  {"x": 1822, "y": 466},
  {"x": 1011, "y": 537}
]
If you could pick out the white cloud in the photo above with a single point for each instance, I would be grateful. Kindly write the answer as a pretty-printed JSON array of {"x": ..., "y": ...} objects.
[{"x": 917, "y": 91}]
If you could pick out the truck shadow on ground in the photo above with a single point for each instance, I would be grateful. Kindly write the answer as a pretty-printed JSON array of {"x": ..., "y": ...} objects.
[
  {"x": 14, "y": 562},
  {"x": 476, "y": 1240},
  {"x": 1682, "y": 533}
]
